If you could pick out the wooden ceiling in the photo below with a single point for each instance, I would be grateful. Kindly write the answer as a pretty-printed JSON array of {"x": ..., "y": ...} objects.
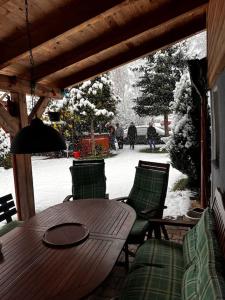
[{"x": 73, "y": 40}]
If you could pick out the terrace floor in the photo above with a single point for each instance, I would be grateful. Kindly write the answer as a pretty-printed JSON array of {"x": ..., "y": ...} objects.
[{"x": 113, "y": 285}]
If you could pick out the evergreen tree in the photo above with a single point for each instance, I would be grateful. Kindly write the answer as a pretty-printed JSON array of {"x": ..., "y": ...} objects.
[
  {"x": 184, "y": 142},
  {"x": 157, "y": 81},
  {"x": 5, "y": 157},
  {"x": 94, "y": 103}
]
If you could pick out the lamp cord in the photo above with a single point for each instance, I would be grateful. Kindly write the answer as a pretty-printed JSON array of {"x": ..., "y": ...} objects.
[{"x": 32, "y": 82}]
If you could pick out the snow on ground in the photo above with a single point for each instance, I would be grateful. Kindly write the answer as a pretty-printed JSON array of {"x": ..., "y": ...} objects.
[{"x": 52, "y": 179}]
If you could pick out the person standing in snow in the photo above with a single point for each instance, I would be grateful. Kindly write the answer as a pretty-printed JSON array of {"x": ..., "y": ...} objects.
[
  {"x": 132, "y": 135},
  {"x": 151, "y": 136},
  {"x": 119, "y": 135},
  {"x": 112, "y": 136}
]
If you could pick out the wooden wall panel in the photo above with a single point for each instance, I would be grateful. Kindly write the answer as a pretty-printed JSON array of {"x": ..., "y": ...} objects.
[{"x": 216, "y": 39}]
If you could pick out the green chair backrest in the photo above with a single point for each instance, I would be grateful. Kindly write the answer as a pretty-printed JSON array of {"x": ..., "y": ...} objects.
[
  {"x": 149, "y": 191},
  {"x": 88, "y": 161},
  {"x": 88, "y": 180}
]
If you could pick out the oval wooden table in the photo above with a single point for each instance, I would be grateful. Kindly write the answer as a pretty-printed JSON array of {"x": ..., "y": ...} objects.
[{"x": 31, "y": 270}]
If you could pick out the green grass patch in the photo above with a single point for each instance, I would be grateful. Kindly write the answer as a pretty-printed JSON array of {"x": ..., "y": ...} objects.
[
  {"x": 157, "y": 150},
  {"x": 180, "y": 185}
]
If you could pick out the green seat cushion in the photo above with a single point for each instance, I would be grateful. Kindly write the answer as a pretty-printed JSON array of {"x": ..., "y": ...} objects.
[
  {"x": 8, "y": 227},
  {"x": 138, "y": 231},
  {"x": 211, "y": 283},
  {"x": 88, "y": 181},
  {"x": 154, "y": 283},
  {"x": 204, "y": 278},
  {"x": 148, "y": 190},
  {"x": 189, "y": 283},
  {"x": 203, "y": 282},
  {"x": 159, "y": 253},
  {"x": 198, "y": 239},
  {"x": 189, "y": 247}
]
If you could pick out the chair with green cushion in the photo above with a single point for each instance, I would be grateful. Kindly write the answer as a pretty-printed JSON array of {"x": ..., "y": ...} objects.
[
  {"x": 164, "y": 168},
  {"x": 192, "y": 270},
  {"x": 7, "y": 210},
  {"x": 147, "y": 197},
  {"x": 88, "y": 180},
  {"x": 88, "y": 161}
]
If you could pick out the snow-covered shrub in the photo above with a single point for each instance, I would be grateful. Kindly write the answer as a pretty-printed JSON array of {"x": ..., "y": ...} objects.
[
  {"x": 184, "y": 143},
  {"x": 94, "y": 100},
  {"x": 5, "y": 157},
  {"x": 94, "y": 103}
]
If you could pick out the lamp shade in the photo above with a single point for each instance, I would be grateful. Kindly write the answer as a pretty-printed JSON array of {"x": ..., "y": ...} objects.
[{"x": 37, "y": 138}]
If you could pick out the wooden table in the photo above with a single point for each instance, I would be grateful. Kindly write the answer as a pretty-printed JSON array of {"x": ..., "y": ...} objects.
[{"x": 31, "y": 270}]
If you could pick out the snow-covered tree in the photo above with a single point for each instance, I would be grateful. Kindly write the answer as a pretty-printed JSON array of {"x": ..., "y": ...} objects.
[
  {"x": 123, "y": 79},
  {"x": 94, "y": 102},
  {"x": 184, "y": 143},
  {"x": 158, "y": 77},
  {"x": 4, "y": 149}
]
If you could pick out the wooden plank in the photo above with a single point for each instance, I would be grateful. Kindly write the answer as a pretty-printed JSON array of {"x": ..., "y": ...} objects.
[
  {"x": 216, "y": 40},
  {"x": 13, "y": 84},
  {"x": 167, "y": 38},
  {"x": 39, "y": 108},
  {"x": 49, "y": 27},
  {"x": 22, "y": 169},
  {"x": 2, "y": 97},
  {"x": 117, "y": 35},
  {"x": 31, "y": 270},
  {"x": 116, "y": 213},
  {"x": 9, "y": 123}
]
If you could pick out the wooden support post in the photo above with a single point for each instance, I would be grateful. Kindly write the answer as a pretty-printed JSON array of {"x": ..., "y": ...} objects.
[
  {"x": 22, "y": 168},
  {"x": 205, "y": 183}
]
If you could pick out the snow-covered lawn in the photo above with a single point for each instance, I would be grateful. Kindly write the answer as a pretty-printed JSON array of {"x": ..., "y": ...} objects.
[{"x": 52, "y": 179}]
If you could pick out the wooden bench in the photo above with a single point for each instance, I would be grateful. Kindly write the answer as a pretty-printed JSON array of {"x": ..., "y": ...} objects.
[
  {"x": 7, "y": 210},
  {"x": 193, "y": 270}
]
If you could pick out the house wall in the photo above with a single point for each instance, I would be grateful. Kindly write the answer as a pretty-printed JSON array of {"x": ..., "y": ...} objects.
[
  {"x": 218, "y": 133},
  {"x": 216, "y": 81},
  {"x": 215, "y": 40}
]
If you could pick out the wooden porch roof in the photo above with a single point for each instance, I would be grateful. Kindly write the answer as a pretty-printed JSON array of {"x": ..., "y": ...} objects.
[{"x": 74, "y": 40}]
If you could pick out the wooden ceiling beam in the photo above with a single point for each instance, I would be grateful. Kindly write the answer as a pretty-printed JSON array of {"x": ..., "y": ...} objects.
[
  {"x": 14, "y": 84},
  {"x": 9, "y": 123},
  {"x": 2, "y": 98},
  {"x": 165, "y": 39},
  {"x": 118, "y": 35},
  {"x": 39, "y": 108},
  {"x": 57, "y": 23}
]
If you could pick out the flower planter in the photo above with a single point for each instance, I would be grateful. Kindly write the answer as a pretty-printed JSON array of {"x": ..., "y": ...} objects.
[
  {"x": 101, "y": 141},
  {"x": 195, "y": 214},
  {"x": 76, "y": 154}
]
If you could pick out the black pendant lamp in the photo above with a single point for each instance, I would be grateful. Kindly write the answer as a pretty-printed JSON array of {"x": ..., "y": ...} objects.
[{"x": 37, "y": 137}]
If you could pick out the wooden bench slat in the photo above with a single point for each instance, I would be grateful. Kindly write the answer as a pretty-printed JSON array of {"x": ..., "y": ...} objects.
[
  {"x": 6, "y": 206},
  {"x": 6, "y": 198},
  {"x": 7, "y": 215}
]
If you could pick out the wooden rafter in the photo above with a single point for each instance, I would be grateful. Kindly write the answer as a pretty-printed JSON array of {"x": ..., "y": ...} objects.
[
  {"x": 9, "y": 123},
  {"x": 1, "y": 99},
  {"x": 14, "y": 84},
  {"x": 137, "y": 26},
  {"x": 58, "y": 22},
  {"x": 75, "y": 38},
  {"x": 175, "y": 34},
  {"x": 39, "y": 108}
]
